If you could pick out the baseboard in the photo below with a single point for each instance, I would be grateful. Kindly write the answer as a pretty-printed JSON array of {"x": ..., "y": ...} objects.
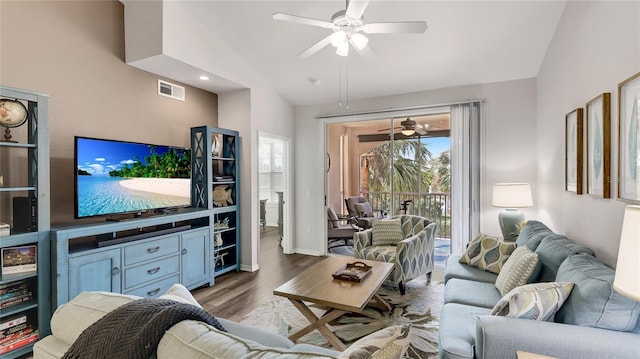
[{"x": 308, "y": 252}]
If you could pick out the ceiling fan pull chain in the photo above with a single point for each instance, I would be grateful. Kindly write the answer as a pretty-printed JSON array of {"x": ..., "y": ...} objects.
[
  {"x": 347, "y": 90},
  {"x": 339, "y": 87}
]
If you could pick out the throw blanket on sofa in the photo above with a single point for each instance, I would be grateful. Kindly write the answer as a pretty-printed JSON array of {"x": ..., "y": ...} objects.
[{"x": 133, "y": 330}]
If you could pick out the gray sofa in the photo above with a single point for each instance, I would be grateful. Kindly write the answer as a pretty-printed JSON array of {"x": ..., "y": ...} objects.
[{"x": 594, "y": 321}]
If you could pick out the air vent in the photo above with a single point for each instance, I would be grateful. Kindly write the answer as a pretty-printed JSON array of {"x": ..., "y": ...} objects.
[{"x": 170, "y": 90}]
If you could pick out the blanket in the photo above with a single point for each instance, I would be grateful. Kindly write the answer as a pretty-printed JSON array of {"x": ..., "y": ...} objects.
[{"x": 133, "y": 330}]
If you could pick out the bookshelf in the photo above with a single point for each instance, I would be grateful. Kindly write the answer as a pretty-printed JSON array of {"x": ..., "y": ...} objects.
[
  {"x": 24, "y": 226},
  {"x": 215, "y": 185}
]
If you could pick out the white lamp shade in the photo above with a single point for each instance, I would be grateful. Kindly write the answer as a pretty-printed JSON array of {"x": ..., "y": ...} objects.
[
  {"x": 359, "y": 41},
  {"x": 343, "y": 50},
  {"x": 338, "y": 38},
  {"x": 627, "y": 279},
  {"x": 511, "y": 195},
  {"x": 408, "y": 132}
]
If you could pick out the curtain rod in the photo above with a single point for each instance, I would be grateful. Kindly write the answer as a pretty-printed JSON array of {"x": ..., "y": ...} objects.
[{"x": 372, "y": 112}]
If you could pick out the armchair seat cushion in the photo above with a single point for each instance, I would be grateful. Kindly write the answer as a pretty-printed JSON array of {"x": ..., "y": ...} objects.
[{"x": 380, "y": 253}]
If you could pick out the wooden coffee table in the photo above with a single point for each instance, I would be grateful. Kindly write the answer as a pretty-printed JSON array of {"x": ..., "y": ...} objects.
[{"x": 316, "y": 285}]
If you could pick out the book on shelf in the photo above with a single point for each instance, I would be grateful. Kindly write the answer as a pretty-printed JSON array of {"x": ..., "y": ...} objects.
[
  {"x": 11, "y": 287},
  {"x": 13, "y": 294},
  {"x": 23, "y": 298},
  {"x": 19, "y": 259},
  {"x": 19, "y": 342},
  {"x": 16, "y": 332}
]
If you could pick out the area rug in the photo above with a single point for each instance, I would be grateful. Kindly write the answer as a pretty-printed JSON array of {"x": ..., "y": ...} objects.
[{"x": 420, "y": 306}]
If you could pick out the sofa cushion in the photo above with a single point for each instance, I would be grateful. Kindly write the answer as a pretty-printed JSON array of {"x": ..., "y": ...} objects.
[
  {"x": 516, "y": 270},
  {"x": 593, "y": 301},
  {"x": 470, "y": 292},
  {"x": 391, "y": 342},
  {"x": 532, "y": 233},
  {"x": 487, "y": 253},
  {"x": 455, "y": 269},
  {"x": 458, "y": 330},
  {"x": 537, "y": 301},
  {"x": 386, "y": 232},
  {"x": 197, "y": 340},
  {"x": 552, "y": 251},
  {"x": 73, "y": 317}
]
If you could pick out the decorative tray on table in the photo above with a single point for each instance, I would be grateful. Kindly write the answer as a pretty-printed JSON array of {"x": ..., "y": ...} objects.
[{"x": 353, "y": 272}]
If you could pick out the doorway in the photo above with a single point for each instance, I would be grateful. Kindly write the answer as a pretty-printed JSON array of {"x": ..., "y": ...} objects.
[
  {"x": 349, "y": 137},
  {"x": 274, "y": 189}
]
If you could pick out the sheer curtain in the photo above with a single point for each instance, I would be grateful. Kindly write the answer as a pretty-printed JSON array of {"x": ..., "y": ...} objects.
[{"x": 465, "y": 173}]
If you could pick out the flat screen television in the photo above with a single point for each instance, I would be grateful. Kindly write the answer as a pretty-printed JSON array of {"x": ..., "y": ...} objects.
[{"x": 115, "y": 177}]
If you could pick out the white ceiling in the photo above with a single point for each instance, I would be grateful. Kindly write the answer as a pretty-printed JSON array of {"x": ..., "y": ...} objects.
[{"x": 467, "y": 42}]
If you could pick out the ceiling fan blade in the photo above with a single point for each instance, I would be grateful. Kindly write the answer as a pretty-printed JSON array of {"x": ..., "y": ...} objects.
[
  {"x": 355, "y": 8},
  {"x": 366, "y": 52},
  {"x": 316, "y": 47},
  {"x": 302, "y": 20},
  {"x": 411, "y": 27},
  {"x": 386, "y": 129}
]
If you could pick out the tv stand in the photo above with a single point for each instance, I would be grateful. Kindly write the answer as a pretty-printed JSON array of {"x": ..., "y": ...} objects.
[{"x": 139, "y": 256}]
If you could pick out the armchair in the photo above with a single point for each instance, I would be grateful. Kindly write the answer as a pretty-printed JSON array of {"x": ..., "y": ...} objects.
[
  {"x": 359, "y": 208},
  {"x": 340, "y": 230},
  {"x": 412, "y": 256}
]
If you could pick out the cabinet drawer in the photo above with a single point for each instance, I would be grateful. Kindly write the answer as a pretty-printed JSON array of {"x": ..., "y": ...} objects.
[
  {"x": 141, "y": 252},
  {"x": 151, "y": 271},
  {"x": 155, "y": 289}
]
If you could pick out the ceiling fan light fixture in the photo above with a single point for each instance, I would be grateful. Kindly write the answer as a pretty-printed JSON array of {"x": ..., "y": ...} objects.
[
  {"x": 338, "y": 38},
  {"x": 408, "y": 132},
  {"x": 343, "y": 50},
  {"x": 359, "y": 41}
]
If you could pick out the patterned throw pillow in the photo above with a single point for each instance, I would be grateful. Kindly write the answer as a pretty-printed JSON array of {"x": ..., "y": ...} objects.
[
  {"x": 487, "y": 253},
  {"x": 386, "y": 232},
  {"x": 516, "y": 270},
  {"x": 537, "y": 301},
  {"x": 388, "y": 343}
]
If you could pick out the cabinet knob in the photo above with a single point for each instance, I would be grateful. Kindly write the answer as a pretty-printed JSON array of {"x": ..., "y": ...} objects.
[
  {"x": 153, "y": 249},
  {"x": 184, "y": 251},
  {"x": 115, "y": 271},
  {"x": 154, "y": 270},
  {"x": 151, "y": 293}
]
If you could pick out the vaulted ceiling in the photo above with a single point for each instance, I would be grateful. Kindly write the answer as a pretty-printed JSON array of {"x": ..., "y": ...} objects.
[{"x": 467, "y": 42}]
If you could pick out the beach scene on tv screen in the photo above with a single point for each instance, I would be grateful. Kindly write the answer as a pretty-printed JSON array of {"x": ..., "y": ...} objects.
[{"x": 115, "y": 177}]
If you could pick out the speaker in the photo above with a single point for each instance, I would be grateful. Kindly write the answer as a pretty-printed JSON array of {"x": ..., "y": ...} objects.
[{"x": 25, "y": 214}]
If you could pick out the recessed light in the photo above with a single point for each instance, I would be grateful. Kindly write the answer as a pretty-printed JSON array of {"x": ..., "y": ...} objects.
[
  {"x": 204, "y": 77},
  {"x": 314, "y": 82}
]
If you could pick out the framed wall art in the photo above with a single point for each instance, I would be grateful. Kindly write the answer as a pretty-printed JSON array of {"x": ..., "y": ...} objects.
[
  {"x": 629, "y": 139},
  {"x": 573, "y": 151},
  {"x": 598, "y": 122}
]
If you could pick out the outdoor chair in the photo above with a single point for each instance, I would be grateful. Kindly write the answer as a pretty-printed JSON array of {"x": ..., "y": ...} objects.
[
  {"x": 405, "y": 240},
  {"x": 359, "y": 208},
  {"x": 340, "y": 231}
]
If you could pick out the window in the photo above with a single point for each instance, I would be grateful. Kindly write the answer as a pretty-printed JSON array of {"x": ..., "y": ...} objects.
[{"x": 270, "y": 169}]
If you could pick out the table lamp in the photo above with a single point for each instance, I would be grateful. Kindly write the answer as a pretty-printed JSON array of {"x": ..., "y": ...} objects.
[
  {"x": 627, "y": 279},
  {"x": 511, "y": 196}
]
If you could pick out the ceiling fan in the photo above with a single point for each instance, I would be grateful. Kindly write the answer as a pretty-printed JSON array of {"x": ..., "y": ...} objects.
[
  {"x": 348, "y": 26},
  {"x": 409, "y": 127}
]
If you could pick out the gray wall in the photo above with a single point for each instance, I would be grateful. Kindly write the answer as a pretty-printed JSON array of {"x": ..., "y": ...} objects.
[
  {"x": 596, "y": 46},
  {"x": 74, "y": 52}
]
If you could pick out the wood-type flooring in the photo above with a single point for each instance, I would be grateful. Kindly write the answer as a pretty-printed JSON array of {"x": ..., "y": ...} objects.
[{"x": 235, "y": 294}]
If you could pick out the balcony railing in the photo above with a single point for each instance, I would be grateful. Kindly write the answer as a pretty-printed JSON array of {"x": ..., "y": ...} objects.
[{"x": 434, "y": 206}]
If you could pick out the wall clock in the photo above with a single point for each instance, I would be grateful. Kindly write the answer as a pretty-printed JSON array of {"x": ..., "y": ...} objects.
[{"x": 13, "y": 113}]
